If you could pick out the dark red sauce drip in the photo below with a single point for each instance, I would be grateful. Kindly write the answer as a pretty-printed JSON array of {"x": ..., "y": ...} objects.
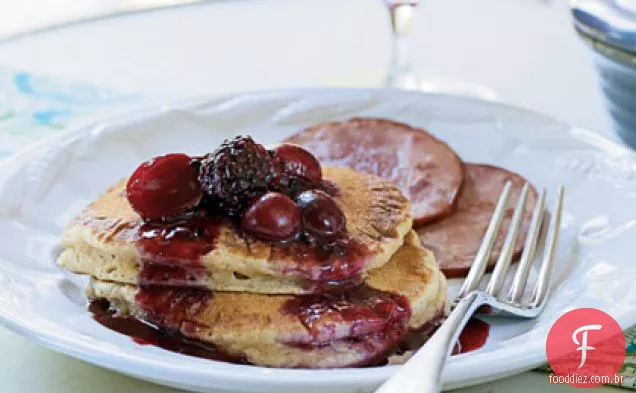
[
  {"x": 366, "y": 314},
  {"x": 342, "y": 260},
  {"x": 473, "y": 337},
  {"x": 145, "y": 334},
  {"x": 418, "y": 337},
  {"x": 171, "y": 252},
  {"x": 173, "y": 308}
]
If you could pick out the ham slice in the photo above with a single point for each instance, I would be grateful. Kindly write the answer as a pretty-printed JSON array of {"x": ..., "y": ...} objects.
[{"x": 456, "y": 238}]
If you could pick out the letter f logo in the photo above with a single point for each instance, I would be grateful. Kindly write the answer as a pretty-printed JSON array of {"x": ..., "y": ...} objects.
[{"x": 583, "y": 344}]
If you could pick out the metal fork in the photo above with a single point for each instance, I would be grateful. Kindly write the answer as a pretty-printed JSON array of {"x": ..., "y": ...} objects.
[{"x": 423, "y": 372}]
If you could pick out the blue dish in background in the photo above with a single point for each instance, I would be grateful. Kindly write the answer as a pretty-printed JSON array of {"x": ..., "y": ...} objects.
[{"x": 609, "y": 27}]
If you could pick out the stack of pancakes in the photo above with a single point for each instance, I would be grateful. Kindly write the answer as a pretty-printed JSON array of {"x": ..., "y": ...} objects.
[{"x": 256, "y": 301}]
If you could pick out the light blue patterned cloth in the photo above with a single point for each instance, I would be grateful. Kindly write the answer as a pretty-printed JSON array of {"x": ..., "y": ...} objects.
[{"x": 33, "y": 107}]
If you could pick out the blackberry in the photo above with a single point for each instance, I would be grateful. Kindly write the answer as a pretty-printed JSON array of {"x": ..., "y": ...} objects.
[{"x": 235, "y": 173}]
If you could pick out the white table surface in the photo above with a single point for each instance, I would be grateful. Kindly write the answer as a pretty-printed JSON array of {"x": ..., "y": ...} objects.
[{"x": 525, "y": 50}]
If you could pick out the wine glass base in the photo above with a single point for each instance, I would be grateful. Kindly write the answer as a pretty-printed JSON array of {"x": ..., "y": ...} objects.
[{"x": 436, "y": 84}]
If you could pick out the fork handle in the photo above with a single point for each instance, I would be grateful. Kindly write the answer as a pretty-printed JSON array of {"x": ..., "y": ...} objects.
[{"x": 423, "y": 372}]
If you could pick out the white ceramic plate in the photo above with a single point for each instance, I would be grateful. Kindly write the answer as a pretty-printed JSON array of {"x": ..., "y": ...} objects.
[{"x": 42, "y": 188}]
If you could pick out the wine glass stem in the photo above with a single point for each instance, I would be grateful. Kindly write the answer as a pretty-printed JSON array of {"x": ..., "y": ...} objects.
[{"x": 399, "y": 74}]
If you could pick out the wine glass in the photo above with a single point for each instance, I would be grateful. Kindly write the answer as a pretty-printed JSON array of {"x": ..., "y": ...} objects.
[{"x": 400, "y": 74}]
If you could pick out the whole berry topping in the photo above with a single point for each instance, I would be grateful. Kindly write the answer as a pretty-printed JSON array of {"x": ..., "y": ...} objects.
[
  {"x": 164, "y": 186},
  {"x": 295, "y": 161},
  {"x": 321, "y": 215},
  {"x": 273, "y": 216},
  {"x": 235, "y": 173}
]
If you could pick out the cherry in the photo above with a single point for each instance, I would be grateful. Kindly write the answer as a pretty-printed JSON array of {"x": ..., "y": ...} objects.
[
  {"x": 322, "y": 216},
  {"x": 273, "y": 216},
  {"x": 164, "y": 186},
  {"x": 296, "y": 161}
]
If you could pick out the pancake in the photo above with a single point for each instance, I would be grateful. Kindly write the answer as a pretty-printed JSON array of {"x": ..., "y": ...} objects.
[
  {"x": 425, "y": 168},
  {"x": 104, "y": 241},
  {"x": 313, "y": 331}
]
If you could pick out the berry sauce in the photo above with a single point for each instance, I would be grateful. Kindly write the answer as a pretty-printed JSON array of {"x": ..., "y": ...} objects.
[
  {"x": 145, "y": 334},
  {"x": 173, "y": 308},
  {"x": 370, "y": 316},
  {"x": 473, "y": 337},
  {"x": 334, "y": 263},
  {"x": 171, "y": 252}
]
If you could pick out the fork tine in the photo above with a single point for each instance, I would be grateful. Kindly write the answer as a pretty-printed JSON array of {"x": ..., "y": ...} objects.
[
  {"x": 503, "y": 262},
  {"x": 545, "y": 273},
  {"x": 478, "y": 268},
  {"x": 529, "y": 250}
]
